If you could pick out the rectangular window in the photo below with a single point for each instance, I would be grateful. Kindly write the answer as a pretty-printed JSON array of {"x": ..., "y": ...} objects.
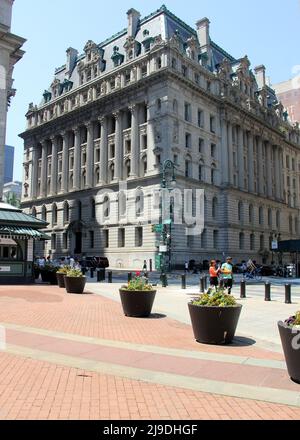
[
  {"x": 200, "y": 118},
  {"x": 121, "y": 238},
  {"x": 139, "y": 236},
  {"x": 53, "y": 241},
  {"x": 144, "y": 142},
  {"x": 144, "y": 70},
  {"x": 200, "y": 173},
  {"x": 127, "y": 77},
  {"x": 215, "y": 239},
  {"x": 184, "y": 71},
  {"x": 65, "y": 240},
  {"x": 127, "y": 146},
  {"x": 98, "y": 155},
  {"x": 288, "y": 161},
  {"x": 187, "y": 112},
  {"x": 106, "y": 238},
  {"x": 197, "y": 78},
  {"x": 175, "y": 159},
  {"x": 187, "y": 168},
  {"x": 188, "y": 140},
  {"x": 213, "y": 150},
  {"x": 112, "y": 151},
  {"x": 212, "y": 124},
  {"x": 92, "y": 239},
  {"x": 201, "y": 145}
]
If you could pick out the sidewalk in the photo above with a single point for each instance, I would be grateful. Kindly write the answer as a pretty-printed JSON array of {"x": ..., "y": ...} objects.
[{"x": 78, "y": 356}]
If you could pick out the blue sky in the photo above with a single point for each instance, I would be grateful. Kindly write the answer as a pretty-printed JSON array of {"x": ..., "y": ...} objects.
[{"x": 267, "y": 31}]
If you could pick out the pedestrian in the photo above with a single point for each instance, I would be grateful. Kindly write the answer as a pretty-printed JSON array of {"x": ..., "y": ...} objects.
[
  {"x": 77, "y": 264},
  {"x": 145, "y": 266},
  {"x": 186, "y": 266},
  {"x": 71, "y": 262},
  {"x": 227, "y": 276},
  {"x": 214, "y": 273}
]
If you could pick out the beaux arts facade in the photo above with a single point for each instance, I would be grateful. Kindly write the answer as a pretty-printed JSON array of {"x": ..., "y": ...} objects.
[{"x": 155, "y": 91}]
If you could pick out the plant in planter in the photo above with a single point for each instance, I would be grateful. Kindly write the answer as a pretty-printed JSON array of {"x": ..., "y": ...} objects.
[
  {"x": 137, "y": 297},
  {"x": 290, "y": 338},
  {"x": 60, "y": 275},
  {"x": 214, "y": 316},
  {"x": 74, "y": 281},
  {"x": 48, "y": 274}
]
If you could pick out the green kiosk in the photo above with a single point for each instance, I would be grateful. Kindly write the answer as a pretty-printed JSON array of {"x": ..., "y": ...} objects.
[{"x": 18, "y": 232}]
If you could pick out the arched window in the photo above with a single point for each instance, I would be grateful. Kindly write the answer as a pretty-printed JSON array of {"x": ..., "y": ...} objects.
[
  {"x": 122, "y": 204},
  {"x": 106, "y": 207},
  {"x": 139, "y": 202},
  {"x": 213, "y": 174},
  {"x": 175, "y": 106},
  {"x": 251, "y": 218},
  {"x": 270, "y": 217},
  {"x": 278, "y": 219},
  {"x": 93, "y": 208},
  {"x": 54, "y": 214},
  {"x": 66, "y": 212},
  {"x": 214, "y": 207},
  {"x": 240, "y": 212},
  {"x": 242, "y": 240},
  {"x": 44, "y": 213}
]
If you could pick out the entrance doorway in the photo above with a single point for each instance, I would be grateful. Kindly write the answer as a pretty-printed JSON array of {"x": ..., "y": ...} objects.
[{"x": 78, "y": 243}]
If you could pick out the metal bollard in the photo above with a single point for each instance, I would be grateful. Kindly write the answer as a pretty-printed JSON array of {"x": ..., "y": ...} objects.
[
  {"x": 92, "y": 272},
  {"x": 164, "y": 281},
  {"x": 267, "y": 291},
  {"x": 205, "y": 282},
  {"x": 150, "y": 265},
  {"x": 243, "y": 290},
  {"x": 288, "y": 299},
  {"x": 129, "y": 276},
  {"x": 202, "y": 285},
  {"x": 109, "y": 276},
  {"x": 99, "y": 276},
  {"x": 183, "y": 281}
]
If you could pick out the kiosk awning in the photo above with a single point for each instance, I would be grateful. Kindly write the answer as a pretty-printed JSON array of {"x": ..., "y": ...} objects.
[{"x": 22, "y": 232}]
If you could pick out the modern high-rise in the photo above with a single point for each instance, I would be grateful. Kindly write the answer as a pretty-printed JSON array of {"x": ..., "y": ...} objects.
[
  {"x": 160, "y": 90},
  {"x": 10, "y": 54},
  {"x": 9, "y": 154}
]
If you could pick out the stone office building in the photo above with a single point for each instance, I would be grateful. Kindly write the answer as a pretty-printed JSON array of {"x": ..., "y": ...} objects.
[{"x": 159, "y": 90}]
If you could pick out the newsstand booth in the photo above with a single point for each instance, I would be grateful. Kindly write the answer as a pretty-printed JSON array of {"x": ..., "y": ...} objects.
[
  {"x": 18, "y": 233},
  {"x": 291, "y": 247}
]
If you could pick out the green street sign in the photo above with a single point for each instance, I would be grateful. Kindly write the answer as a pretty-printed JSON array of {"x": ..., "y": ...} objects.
[
  {"x": 168, "y": 222},
  {"x": 157, "y": 228}
]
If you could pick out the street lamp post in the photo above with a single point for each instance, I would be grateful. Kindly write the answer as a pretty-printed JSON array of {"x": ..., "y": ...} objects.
[{"x": 165, "y": 238}]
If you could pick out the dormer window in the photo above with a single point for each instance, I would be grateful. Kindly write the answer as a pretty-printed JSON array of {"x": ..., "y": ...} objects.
[
  {"x": 147, "y": 43},
  {"x": 117, "y": 57},
  {"x": 145, "y": 33},
  {"x": 47, "y": 95}
]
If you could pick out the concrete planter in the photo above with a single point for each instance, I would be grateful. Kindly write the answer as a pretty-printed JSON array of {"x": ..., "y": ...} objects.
[
  {"x": 75, "y": 284},
  {"x": 137, "y": 304},
  {"x": 214, "y": 325},
  {"x": 290, "y": 340}
]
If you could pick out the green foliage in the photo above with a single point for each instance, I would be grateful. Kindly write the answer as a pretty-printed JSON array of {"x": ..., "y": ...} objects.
[
  {"x": 217, "y": 297},
  {"x": 49, "y": 268},
  {"x": 138, "y": 283},
  {"x": 76, "y": 273},
  {"x": 64, "y": 269},
  {"x": 293, "y": 320}
]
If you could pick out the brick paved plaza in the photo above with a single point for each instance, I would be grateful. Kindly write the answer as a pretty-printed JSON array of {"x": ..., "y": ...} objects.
[{"x": 78, "y": 357}]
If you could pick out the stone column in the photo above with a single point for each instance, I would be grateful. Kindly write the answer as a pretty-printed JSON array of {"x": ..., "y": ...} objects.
[
  {"x": 260, "y": 167},
  {"x": 90, "y": 155},
  {"x": 44, "y": 169},
  {"x": 241, "y": 158},
  {"x": 230, "y": 154},
  {"x": 250, "y": 163},
  {"x": 281, "y": 174},
  {"x": 77, "y": 159},
  {"x": 65, "y": 162},
  {"x": 268, "y": 169},
  {"x": 34, "y": 171},
  {"x": 53, "y": 189},
  {"x": 103, "y": 150},
  {"x": 150, "y": 139},
  {"x": 224, "y": 153},
  {"x": 135, "y": 140},
  {"x": 118, "y": 146}
]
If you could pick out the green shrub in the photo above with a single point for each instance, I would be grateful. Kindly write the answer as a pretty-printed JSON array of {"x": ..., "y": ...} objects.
[
  {"x": 138, "y": 283},
  {"x": 76, "y": 273},
  {"x": 217, "y": 297}
]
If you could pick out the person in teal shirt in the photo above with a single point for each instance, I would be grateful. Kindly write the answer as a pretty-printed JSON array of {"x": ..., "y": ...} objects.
[{"x": 226, "y": 271}]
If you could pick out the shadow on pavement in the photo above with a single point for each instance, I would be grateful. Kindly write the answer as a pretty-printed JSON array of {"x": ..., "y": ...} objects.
[
  {"x": 241, "y": 341},
  {"x": 156, "y": 316}
]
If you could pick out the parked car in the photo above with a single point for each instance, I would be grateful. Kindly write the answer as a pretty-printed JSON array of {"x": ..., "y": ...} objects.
[{"x": 96, "y": 262}]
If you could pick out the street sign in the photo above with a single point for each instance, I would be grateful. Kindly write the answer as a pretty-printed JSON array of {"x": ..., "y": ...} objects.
[
  {"x": 157, "y": 228},
  {"x": 163, "y": 248},
  {"x": 168, "y": 222},
  {"x": 274, "y": 245}
]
